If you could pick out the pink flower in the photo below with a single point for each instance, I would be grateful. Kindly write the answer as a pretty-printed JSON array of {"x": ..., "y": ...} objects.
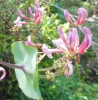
[
  {"x": 49, "y": 52},
  {"x": 29, "y": 42},
  {"x": 70, "y": 67},
  {"x": 86, "y": 42},
  {"x": 82, "y": 15},
  {"x": 73, "y": 39},
  {"x": 20, "y": 14},
  {"x": 71, "y": 43},
  {"x": 38, "y": 13},
  {"x": 19, "y": 23},
  {"x": 36, "y": 16},
  {"x": 4, "y": 73}
]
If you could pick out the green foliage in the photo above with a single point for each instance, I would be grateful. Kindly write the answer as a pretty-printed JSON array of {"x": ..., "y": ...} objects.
[
  {"x": 82, "y": 85},
  {"x": 26, "y": 56},
  {"x": 72, "y": 88}
]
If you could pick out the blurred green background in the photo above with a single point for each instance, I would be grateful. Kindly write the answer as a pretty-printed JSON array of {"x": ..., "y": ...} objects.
[{"x": 83, "y": 84}]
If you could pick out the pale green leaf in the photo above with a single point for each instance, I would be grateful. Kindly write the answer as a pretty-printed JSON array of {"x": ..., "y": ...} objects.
[{"x": 26, "y": 55}]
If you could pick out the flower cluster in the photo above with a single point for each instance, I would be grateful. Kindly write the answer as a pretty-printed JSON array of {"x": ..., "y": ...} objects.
[
  {"x": 68, "y": 44},
  {"x": 82, "y": 15},
  {"x": 36, "y": 16}
]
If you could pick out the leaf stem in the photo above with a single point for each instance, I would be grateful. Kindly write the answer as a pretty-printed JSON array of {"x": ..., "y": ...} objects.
[{"x": 11, "y": 65}]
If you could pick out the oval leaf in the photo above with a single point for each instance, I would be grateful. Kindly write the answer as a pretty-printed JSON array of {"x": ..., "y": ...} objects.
[{"x": 28, "y": 82}]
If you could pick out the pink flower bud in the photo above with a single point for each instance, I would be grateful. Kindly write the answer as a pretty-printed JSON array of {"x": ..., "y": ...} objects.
[
  {"x": 37, "y": 5},
  {"x": 61, "y": 34},
  {"x": 29, "y": 42},
  {"x": 86, "y": 42},
  {"x": 19, "y": 23},
  {"x": 70, "y": 66},
  {"x": 38, "y": 13},
  {"x": 22, "y": 15},
  {"x": 31, "y": 14},
  {"x": 82, "y": 16},
  {"x": 73, "y": 39},
  {"x": 4, "y": 73},
  {"x": 68, "y": 72},
  {"x": 67, "y": 16}
]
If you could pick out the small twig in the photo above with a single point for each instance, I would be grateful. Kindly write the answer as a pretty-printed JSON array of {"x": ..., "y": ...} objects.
[
  {"x": 40, "y": 58},
  {"x": 5, "y": 21}
]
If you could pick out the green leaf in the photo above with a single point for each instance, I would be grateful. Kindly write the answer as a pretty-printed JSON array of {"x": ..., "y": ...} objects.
[{"x": 26, "y": 55}]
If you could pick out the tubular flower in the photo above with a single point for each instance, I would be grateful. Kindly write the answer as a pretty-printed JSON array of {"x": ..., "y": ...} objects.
[
  {"x": 82, "y": 15},
  {"x": 29, "y": 42},
  {"x": 49, "y": 52},
  {"x": 38, "y": 13},
  {"x": 4, "y": 73},
  {"x": 68, "y": 72},
  {"x": 36, "y": 16},
  {"x": 86, "y": 42},
  {"x": 20, "y": 14},
  {"x": 69, "y": 46},
  {"x": 73, "y": 39},
  {"x": 71, "y": 43},
  {"x": 19, "y": 23}
]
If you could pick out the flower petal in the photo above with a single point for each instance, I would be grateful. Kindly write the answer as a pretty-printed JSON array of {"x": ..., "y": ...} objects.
[
  {"x": 29, "y": 42},
  {"x": 31, "y": 13},
  {"x": 22, "y": 15},
  {"x": 49, "y": 52},
  {"x": 73, "y": 39},
  {"x": 86, "y": 42},
  {"x": 45, "y": 50},
  {"x": 60, "y": 44},
  {"x": 70, "y": 67},
  {"x": 67, "y": 16},
  {"x": 38, "y": 13},
  {"x": 4, "y": 73},
  {"x": 61, "y": 34},
  {"x": 82, "y": 16},
  {"x": 19, "y": 23}
]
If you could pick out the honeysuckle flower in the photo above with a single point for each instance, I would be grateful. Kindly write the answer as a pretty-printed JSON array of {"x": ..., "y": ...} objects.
[
  {"x": 38, "y": 13},
  {"x": 82, "y": 15},
  {"x": 20, "y": 14},
  {"x": 86, "y": 42},
  {"x": 36, "y": 16},
  {"x": 68, "y": 72},
  {"x": 19, "y": 23},
  {"x": 4, "y": 73},
  {"x": 69, "y": 46},
  {"x": 71, "y": 43},
  {"x": 60, "y": 44},
  {"x": 73, "y": 39},
  {"x": 49, "y": 52},
  {"x": 29, "y": 42}
]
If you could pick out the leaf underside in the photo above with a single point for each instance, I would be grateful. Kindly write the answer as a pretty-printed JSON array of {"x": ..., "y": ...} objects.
[{"x": 26, "y": 55}]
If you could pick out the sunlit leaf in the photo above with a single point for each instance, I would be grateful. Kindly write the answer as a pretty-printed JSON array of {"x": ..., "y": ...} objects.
[{"x": 28, "y": 82}]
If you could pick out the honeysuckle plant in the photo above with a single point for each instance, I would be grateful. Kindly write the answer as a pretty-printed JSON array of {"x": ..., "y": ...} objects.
[{"x": 68, "y": 46}]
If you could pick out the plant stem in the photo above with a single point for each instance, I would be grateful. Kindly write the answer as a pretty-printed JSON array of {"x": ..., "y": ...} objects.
[
  {"x": 11, "y": 65},
  {"x": 40, "y": 58},
  {"x": 15, "y": 66}
]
